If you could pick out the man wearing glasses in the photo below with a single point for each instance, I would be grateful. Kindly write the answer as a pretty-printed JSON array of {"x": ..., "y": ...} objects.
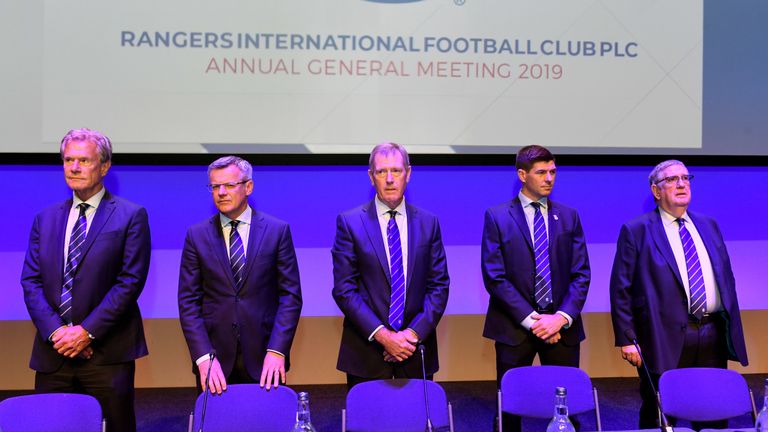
[
  {"x": 239, "y": 290},
  {"x": 672, "y": 288},
  {"x": 390, "y": 277}
]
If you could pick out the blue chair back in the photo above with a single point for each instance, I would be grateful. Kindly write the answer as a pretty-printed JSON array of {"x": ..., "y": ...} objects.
[
  {"x": 248, "y": 407},
  {"x": 704, "y": 394},
  {"x": 60, "y": 412},
  {"x": 396, "y": 405},
  {"x": 529, "y": 391}
]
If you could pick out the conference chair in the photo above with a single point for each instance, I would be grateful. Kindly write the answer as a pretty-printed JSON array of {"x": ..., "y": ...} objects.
[
  {"x": 705, "y": 394},
  {"x": 60, "y": 412},
  {"x": 247, "y": 407},
  {"x": 396, "y": 405},
  {"x": 529, "y": 391}
]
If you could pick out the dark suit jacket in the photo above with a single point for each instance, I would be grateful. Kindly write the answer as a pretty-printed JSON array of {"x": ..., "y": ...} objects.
[
  {"x": 264, "y": 312},
  {"x": 509, "y": 270},
  {"x": 361, "y": 288},
  {"x": 107, "y": 282},
  {"x": 648, "y": 295}
]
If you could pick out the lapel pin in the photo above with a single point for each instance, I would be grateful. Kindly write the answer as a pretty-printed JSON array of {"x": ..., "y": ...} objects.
[{"x": 555, "y": 216}]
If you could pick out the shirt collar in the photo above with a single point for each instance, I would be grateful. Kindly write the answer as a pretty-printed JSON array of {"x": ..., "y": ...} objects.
[
  {"x": 93, "y": 201},
  {"x": 525, "y": 201},
  {"x": 382, "y": 209},
  {"x": 668, "y": 219},
  {"x": 245, "y": 217}
]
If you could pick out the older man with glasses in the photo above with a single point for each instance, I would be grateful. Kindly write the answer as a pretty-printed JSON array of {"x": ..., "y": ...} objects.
[
  {"x": 673, "y": 290},
  {"x": 239, "y": 291}
]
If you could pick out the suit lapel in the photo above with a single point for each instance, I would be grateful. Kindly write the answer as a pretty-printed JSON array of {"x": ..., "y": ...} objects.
[
  {"x": 662, "y": 243},
  {"x": 707, "y": 237},
  {"x": 255, "y": 236},
  {"x": 371, "y": 223},
  {"x": 518, "y": 215},
  {"x": 103, "y": 213},
  {"x": 59, "y": 234},
  {"x": 219, "y": 248},
  {"x": 414, "y": 236}
]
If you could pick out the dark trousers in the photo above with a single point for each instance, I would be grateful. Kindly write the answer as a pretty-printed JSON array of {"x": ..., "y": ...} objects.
[
  {"x": 111, "y": 385},
  {"x": 509, "y": 357},
  {"x": 395, "y": 372},
  {"x": 238, "y": 375},
  {"x": 705, "y": 346}
]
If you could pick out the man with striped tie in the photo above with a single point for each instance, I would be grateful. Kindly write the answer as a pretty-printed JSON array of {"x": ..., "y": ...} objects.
[
  {"x": 86, "y": 265},
  {"x": 239, "y": 292},
  {"x": 390, "y": 277},
  {"x": 672, "y": 288},
  {"x": 536, "y": 269}
]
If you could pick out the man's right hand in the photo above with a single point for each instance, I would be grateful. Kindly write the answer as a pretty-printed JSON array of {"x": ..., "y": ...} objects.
[
  {"x": 630, "y": 354},
  {"x": 217, "y": 382},
  {"x": 400, "y": 346}
]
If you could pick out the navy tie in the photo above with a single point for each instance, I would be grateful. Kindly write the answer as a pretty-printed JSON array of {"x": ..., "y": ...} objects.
[
  {"x": 76, "y": 240},
  {"x": 695, "y": 276},
  {"x": 396, "y": 274},
  {"x": 236, "y": 255},
  {"x": 543, "y": 281}
]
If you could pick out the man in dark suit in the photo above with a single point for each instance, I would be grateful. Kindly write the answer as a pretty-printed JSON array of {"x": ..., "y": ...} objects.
[
  {"x": 86, "y": 265},
  {"x": 672, "y": 286},
  {"x": 239, "y": 291},
  {"x": 390, "y": 277},
  {"x": 536, "y": 270}
]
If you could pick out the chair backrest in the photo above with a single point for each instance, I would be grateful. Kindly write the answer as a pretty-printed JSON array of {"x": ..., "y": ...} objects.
[
  {"x": 396, "y": 405},
  {"x": 61, "y": 412},
  {"x": 704, "y": 394},
  {"x": 248, "y": 407},
  {"x": 529, "y": 391}
]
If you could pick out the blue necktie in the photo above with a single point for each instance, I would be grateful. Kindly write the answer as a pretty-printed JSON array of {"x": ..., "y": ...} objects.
[
  {"x": 236, "y": 255},
  {"x": 543, "y": 285},
  {"x": 397, "y": 277},
  {"x": 695, "y": 276},
  {"x": 76, "y": 239}
]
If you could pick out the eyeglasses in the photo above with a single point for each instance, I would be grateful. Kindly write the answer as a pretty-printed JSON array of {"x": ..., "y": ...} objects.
[
  {"x": 672, "y": 180},
  {"x": 228, "y": 186},
  {"x": 382, "y": 173}
]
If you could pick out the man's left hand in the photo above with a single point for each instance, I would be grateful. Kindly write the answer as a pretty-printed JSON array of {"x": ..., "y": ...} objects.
[
  {"x": 547, "y": 325},
  {"x": 273, "y": 371},
  {"x": 70, "y": 341}
]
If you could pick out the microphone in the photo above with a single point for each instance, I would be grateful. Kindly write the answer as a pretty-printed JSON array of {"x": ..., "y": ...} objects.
[
  {"x": 211, "y": 356},
  {"x": 426, "y": 397},
  {"x": 665, "y": 426}
]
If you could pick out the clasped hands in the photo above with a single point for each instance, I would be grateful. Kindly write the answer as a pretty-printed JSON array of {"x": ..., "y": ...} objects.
[
  {"x": 547, "y": 327},
  {"x": 398, "y": 346},
  {"x": 72, "y": 341}
]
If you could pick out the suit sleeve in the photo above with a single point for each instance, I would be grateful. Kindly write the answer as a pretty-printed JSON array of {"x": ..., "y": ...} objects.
[
  {"x": 191, "y": 300},
  {"x": 44, "y": 316},
  {"x": 130, "y": 280},
  {"x": 346, "y": 277},
  {"x": 436, "y": 291},
  {"x": 497, "y": 284},
  {"x": 622, "y": 276},
  {"x": 289, "y": 294},
  {"x": 578, "y": 288}
]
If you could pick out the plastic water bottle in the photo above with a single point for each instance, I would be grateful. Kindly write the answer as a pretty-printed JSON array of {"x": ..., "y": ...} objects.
[
  {"x": 560, "y": 422},
  {"x": 761, "y": 425},
  {"x": 303, "y": 423}
]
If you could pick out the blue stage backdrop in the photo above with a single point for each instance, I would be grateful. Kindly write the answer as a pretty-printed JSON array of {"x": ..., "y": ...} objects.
[{"x": 309, "y": 198}]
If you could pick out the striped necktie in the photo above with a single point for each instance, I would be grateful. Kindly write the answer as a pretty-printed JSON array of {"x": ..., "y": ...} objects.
[
  {"x": 397, "y": 277},
  {"x": 236, "y": 254},
  {"x": 695, "y": 277},
  {"x": 543, "y": 281},
  {"x": 76, "y": 240}
]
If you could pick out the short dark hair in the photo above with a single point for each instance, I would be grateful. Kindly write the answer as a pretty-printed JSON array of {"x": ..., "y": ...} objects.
[{"x": 529, "y": 155}]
